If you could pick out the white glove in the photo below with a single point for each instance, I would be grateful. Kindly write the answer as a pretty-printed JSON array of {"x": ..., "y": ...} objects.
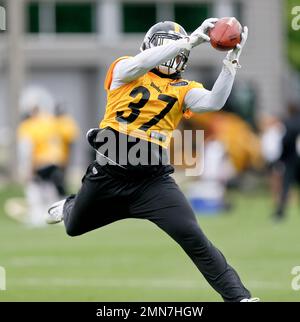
[
  {"x": 232, "y": 59},
  {"x": 200, "y": 34}
]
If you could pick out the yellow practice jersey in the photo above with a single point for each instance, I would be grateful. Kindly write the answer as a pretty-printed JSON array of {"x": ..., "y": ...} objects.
[
  {"x": 46, "y": 141},
  {"x": 149, "y": 107}
]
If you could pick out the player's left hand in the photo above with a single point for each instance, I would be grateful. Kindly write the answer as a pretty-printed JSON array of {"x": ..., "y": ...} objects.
[
  {"x": 231, "y": 62},
  {"x": 234, "y": 54},
  {"x": 200, "y": 36}
]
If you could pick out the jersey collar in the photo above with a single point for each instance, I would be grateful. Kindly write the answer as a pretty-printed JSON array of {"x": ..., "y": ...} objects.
[{"x": 172, "y": 76}]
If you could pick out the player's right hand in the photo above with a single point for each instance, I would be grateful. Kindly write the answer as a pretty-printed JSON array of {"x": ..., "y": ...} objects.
[{"x": 200, "y": 35}]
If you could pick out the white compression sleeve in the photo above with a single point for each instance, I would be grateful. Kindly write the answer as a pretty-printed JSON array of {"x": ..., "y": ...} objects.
[
  {"x": 201, "y": 100},
  {"x": 129, "y": 69}
]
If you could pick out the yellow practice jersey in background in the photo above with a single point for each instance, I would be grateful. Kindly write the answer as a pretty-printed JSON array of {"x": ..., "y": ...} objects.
[
  {"x": 46, "y": 141},
  {"x": 149, "y": 107},
  {"x": 240, "y": 141}
]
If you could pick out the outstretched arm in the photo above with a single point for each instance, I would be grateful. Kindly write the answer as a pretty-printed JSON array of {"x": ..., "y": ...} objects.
[
  {"x": 202, "y": 100},
  {"x": 126, "y": 70},
  {"x": 130, "y": 69}
]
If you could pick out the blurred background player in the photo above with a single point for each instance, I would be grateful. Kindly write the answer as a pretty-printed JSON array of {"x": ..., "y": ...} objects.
[
  {"x": 272, "y": 131},
  {"x": 43, "y": 152},
  {"x": 289, "y": 159}
]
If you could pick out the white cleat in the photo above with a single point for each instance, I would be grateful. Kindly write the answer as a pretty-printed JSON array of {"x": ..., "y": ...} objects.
[
  {"x": 252, "y": 299},
  {"x": 55, "y": 212}
]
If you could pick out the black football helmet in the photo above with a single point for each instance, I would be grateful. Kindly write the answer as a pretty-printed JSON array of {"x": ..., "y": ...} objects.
[{"x": 161, "y": 34}]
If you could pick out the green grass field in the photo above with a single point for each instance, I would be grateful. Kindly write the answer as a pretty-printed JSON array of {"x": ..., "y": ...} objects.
[{"x": 134, "y": 261}]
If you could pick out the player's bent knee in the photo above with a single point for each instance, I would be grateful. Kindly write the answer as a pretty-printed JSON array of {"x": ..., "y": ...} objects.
[{"x": 72, "y": 231}]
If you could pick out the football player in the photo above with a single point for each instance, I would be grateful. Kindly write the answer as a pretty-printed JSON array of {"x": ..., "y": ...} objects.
[
  {"x": 40, "y": 153},
  {"x": 146, "y": 98}
]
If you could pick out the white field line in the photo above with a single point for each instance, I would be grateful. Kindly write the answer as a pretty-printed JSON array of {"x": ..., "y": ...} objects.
[
  {"x": 42, "y": 261},
  {"x": 54, "y": 282},
  {"x": 52, "y": 261}
]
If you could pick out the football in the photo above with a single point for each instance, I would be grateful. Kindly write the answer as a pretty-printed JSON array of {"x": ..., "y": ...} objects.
[{"x": 226, "y": 34}]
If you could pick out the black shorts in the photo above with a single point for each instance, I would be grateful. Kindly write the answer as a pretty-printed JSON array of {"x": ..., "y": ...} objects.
[
  {"x": 53, "y": 174},
  {"x": 107, "y": 195}
]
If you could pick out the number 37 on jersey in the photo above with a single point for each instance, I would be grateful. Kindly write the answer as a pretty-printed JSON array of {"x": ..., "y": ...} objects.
[{"x": 147, "y": 105}]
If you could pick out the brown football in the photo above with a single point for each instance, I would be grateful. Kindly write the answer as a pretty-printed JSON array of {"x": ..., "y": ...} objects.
[{"x": 226, "y": 33}]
